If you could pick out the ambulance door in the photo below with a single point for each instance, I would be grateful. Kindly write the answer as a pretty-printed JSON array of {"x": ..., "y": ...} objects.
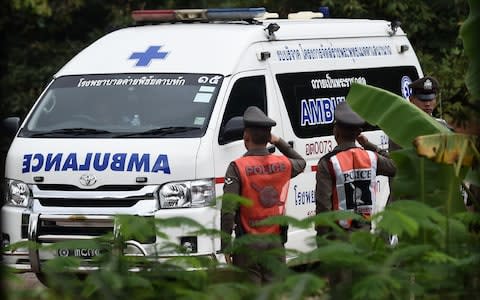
[
  {"x": 244, "y": 89},
  {"x": 301, "y": 194},
  {"x": 309, "y": 99}
]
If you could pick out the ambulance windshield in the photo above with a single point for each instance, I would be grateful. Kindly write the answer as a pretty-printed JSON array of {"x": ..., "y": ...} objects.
[{"x": 125, "y": 105}]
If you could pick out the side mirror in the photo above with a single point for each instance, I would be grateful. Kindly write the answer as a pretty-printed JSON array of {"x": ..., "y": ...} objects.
[
  {"x": 10, "y": 126},
  {"x": 232, "y": 131}
]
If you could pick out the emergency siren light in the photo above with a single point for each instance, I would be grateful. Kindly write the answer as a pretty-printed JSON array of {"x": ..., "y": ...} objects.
[{"x": 210, "y": 14}]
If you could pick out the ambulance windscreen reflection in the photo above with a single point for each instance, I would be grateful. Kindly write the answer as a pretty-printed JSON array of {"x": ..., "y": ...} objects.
[{"x": 125, "y": 105}]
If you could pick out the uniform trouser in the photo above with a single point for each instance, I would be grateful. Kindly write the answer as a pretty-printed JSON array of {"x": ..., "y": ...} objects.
[{"x": 262, "y": 261}]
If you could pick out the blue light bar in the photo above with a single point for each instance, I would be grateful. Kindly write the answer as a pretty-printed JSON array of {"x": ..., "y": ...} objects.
[{"x": 235, "y": 13}]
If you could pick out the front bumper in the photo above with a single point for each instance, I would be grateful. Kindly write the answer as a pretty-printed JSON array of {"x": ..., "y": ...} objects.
[
  {"x": 31, "y": 259},
  {"x": 51, "y": 219}
]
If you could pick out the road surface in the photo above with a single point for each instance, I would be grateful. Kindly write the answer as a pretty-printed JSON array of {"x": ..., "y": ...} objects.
[{"x": 27, "y": 281}]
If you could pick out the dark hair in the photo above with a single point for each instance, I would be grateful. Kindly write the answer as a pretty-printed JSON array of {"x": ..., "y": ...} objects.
[{"x": 259, "y": 135}]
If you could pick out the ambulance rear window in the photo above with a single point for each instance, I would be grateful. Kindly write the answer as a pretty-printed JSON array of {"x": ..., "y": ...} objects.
[
  {"x": 125, "y": 105},
  {"x": 311, "y": 97}
]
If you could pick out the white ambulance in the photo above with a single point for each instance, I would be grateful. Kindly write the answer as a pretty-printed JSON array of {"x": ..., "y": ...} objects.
[{"x": 136, "y": 122}]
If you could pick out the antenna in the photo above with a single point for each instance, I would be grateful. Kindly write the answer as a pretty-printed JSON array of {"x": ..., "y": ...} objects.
[
  {"x": 271, "y": 29},
  {"x": 394, "y": 25}
]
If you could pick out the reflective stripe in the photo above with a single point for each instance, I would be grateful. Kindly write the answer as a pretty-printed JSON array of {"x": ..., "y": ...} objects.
[
  {"x": 350, "y": 168},
  {"x": 339, "y": 184},
  {"x": 374, "y": 160}
]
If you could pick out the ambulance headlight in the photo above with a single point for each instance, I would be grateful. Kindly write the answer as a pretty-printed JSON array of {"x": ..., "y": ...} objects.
[
  {"x": 18, "y": 193},
  {"x": 195, "y": 193}
]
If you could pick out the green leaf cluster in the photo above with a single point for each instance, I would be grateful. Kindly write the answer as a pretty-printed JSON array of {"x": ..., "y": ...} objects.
[{"x": 352, "y": 265}]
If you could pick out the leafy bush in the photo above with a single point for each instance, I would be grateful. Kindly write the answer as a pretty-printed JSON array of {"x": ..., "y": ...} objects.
[{"x": 430, "y": 260}]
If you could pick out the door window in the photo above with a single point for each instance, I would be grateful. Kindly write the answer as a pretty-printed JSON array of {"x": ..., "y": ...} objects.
[
  {"x": 311, "y": 97},
  {"x": 247, "y": 91}
]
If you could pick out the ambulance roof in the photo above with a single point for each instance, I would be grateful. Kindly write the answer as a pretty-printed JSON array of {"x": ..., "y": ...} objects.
[{"x": 202, "y": 47}]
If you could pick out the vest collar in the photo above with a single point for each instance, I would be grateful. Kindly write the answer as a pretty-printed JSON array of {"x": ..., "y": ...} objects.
[
  {"x": 345, "y": 146},
  {"x": 256, "y": 152}
]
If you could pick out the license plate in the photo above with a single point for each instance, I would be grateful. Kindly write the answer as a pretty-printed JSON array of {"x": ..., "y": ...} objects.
[{"x": 79, "y": 252}]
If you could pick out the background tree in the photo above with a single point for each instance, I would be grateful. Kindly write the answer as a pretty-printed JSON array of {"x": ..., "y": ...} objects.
[
  {"x": 40, "y": 36},
  {"x": 432, "y": 27}
]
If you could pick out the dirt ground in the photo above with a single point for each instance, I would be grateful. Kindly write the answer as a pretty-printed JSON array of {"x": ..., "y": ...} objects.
[{"x": 26, "y": 281}]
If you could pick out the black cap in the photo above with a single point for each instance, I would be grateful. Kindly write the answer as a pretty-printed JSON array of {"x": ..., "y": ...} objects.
[
  {"x": 345, "y": 116},
  {"x": 255, "y": 117},
  {"x": 425, "y": 89}
]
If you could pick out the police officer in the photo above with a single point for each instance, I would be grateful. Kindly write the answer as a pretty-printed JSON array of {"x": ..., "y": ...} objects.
[
  {"x": 345, "y": 180},
  {"x": 423, "y": 95},
  {"x": 345, "y": 177},
  {"x": 262, "y": 178}
]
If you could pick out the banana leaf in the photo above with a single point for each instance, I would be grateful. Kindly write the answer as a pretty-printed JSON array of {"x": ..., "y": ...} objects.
[
  {"x": 398, "y": 118},
  {"x": 459, "y": 150},
  {"x": 437, "y": 185},
  {"x": 471, "y": 43},
  {"x": 431, "y": 183},
  {"x": 456, "y": 149}
]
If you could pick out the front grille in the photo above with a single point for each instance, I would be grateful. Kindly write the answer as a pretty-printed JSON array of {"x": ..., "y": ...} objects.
[
  {"x": 88, "y": 202},
  {"x": 103, "y": 188},
  {"x": 119, "y": 196},
  {"x": 24, "y": 226},
  {"x": 54, "y": 228},
  {"x": 84, "y": 214},
  {"x": 48, "y": 227}
]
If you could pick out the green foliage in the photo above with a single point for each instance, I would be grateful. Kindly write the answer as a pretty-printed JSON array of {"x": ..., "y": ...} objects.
[
  {"x": 364, "y": 265},
  {"x": 230, "y": 202},
  {"x": 432, "y": 29},
  {"x": 453, "y": 100},
  {"x": 469, "y": 34},
  {"x": 422, "y": 179},
  {"x": 39, "y": 7},
  {"x": 387, "y": 110},
  {"x": 416, "y": 178}
]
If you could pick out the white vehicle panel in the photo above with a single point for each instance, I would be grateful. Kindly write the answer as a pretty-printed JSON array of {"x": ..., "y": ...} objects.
[{"x": 164, "y": 160}]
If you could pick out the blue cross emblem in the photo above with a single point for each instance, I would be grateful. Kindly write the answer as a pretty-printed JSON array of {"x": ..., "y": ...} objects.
[{"x": 144, "y": 58}]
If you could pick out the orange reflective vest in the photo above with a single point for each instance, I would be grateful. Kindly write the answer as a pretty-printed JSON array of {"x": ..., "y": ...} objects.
[
  {"x": 265, "y": 181},
  {"x": 353, "y": 172}
]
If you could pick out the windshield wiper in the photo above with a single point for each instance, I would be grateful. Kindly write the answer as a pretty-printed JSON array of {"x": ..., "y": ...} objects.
[
  {"x": 162, "y": 131},
  {"x": 70, "y": 131}
]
